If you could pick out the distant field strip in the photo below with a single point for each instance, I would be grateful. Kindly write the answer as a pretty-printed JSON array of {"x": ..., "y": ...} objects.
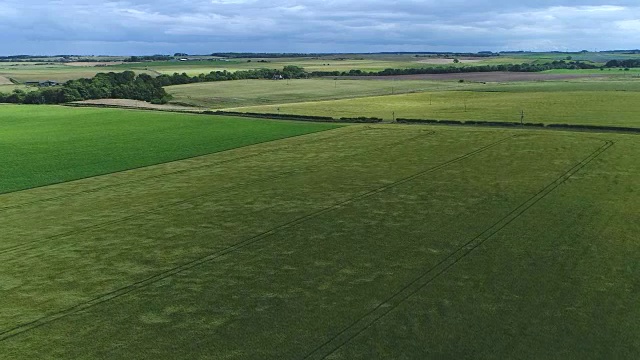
[
  {"x": 612, "y": 108},
  {"x": 226, "y": 94},
  {"x": 365, "y": 322}
]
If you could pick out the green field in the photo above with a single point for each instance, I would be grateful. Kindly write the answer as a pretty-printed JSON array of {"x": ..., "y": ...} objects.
[
  {"x": 55, "y": 70},
  {"x": 614, "y": 108},
  {"x": 217, "y": 95},
  {"x": 383, "y": 241},
  {"x": 39, "y": 71},
  {"x": 325, "y": 63},
  {"x": 41, "y": 145},
  {"x": 24, "y": 72},
  {"x": 130, "y": 234},
  {"x": 10, "y": 88}
]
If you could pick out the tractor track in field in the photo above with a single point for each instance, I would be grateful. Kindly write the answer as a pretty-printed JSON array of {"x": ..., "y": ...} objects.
[
  {"x": 367, "y": 320},
  {"x": 28, "y": 326},
  {"x": 153, "y": 177},
  {"x": 32, "y": 244}
]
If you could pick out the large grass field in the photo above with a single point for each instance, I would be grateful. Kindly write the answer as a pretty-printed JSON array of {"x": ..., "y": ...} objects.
[
  {"x": 382, "y": 241},
  {"x": 217, "y": 95},
  {"x": 24, "y": 72},
  {"x": 41, "y": 145},
  {"x": 493, "y": 103}
]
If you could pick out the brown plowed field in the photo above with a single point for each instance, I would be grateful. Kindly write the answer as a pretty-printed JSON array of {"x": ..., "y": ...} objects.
[{"x": 481, "y": 76}]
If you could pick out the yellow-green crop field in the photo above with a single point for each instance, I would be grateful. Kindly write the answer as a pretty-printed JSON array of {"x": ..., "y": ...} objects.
[{"x": 190, "y": 236}]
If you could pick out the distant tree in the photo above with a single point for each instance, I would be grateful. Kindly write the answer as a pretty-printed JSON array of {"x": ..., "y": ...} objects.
[{"x": 456, "y": 61}]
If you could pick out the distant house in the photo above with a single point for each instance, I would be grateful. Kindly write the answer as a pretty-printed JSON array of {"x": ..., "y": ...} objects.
[
  {"x": 278, "y": 77},
  {"x": 183, "y": 59},
  {"x": 47, "y": 83}
]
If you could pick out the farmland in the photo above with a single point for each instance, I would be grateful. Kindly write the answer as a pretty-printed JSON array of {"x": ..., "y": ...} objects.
[
  {"x": 325, "y": 63},
  {"x": 38, "y": 71},
  {"x": 23, "y": 72},
  {"x": 217, "y": 95},
  {"x": 131, "y": 234},
  {"x": 48, "y": 144},
  {"x": 355, "y": 242},
  {"x": 541, "y": 103}
]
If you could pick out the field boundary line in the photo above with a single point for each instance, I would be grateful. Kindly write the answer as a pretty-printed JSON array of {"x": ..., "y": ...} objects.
[
  {"x": 28, "y": 326},
  {"x": 170, "y": 161},
  {"x": 88, "y": 191},
  {"x": 429, "y": 275},
  {"x": 25, "y": 245}
]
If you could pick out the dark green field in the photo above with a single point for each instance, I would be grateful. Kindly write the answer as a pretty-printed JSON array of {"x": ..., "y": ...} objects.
[
  {"x": 51, "y": 144},
  {"x": 382, "y": 241}
]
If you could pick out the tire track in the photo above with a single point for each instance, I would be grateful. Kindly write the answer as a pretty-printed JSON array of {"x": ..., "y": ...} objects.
[
  {"x": 28, "y": 326},
  {"x": 187, "y": 170},
  {"x": 31, "y": 244},
  {"x": 370, "y": 318}
]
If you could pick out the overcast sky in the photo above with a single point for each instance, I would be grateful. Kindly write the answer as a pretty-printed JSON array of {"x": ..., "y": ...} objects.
[{"x": 205, "y": 26}]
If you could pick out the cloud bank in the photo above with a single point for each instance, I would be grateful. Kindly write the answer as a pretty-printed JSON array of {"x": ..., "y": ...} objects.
[{"x": 205, "y": 26}]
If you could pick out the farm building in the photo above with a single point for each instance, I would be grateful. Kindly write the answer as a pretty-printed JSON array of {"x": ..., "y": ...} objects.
[{"x": 46, "y": 83}]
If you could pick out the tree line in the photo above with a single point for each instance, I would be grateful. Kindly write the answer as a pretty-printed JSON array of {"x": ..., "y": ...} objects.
[
  {"x": 629, "y": 63},
  {"x": 124, "y": 85},
  {"x": 128, "y": 85},
  {"x": 296, "y": 72}
]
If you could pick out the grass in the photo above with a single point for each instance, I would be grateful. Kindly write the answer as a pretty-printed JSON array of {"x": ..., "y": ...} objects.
[
  {"x": 347, "y": 243},
  {"x": 326, "y": 63},
  {"x": 9, "y": 88},
  {"x": 58, "y": 72},
  {"x": 41, "y": 145},
  {"x": 228, "y": 94},
  {"x": 614, "y": 108},
  {"x": 260, "y": 92}
]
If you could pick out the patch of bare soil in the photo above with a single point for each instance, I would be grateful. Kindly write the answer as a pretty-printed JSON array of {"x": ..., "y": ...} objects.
[
  {"x": 135, "y": 104},
  {"x": 482, "y": 77},
  {"x": 5, "y": 81}
]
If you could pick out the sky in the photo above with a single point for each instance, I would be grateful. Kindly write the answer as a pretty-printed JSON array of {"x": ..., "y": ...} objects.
[{"x": 145, "y": 27}]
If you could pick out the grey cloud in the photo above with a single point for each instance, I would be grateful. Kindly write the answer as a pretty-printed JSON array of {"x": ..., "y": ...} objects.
[{"x": 203, "y": 26}]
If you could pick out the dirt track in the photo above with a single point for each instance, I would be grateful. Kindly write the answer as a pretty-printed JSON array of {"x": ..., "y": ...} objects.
[{"x": 481, "y": 76}]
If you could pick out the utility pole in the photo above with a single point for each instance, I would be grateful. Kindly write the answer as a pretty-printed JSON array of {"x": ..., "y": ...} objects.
[
  {"x": 394, "y": 116},
  {"x": 522, "y": 117}
]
